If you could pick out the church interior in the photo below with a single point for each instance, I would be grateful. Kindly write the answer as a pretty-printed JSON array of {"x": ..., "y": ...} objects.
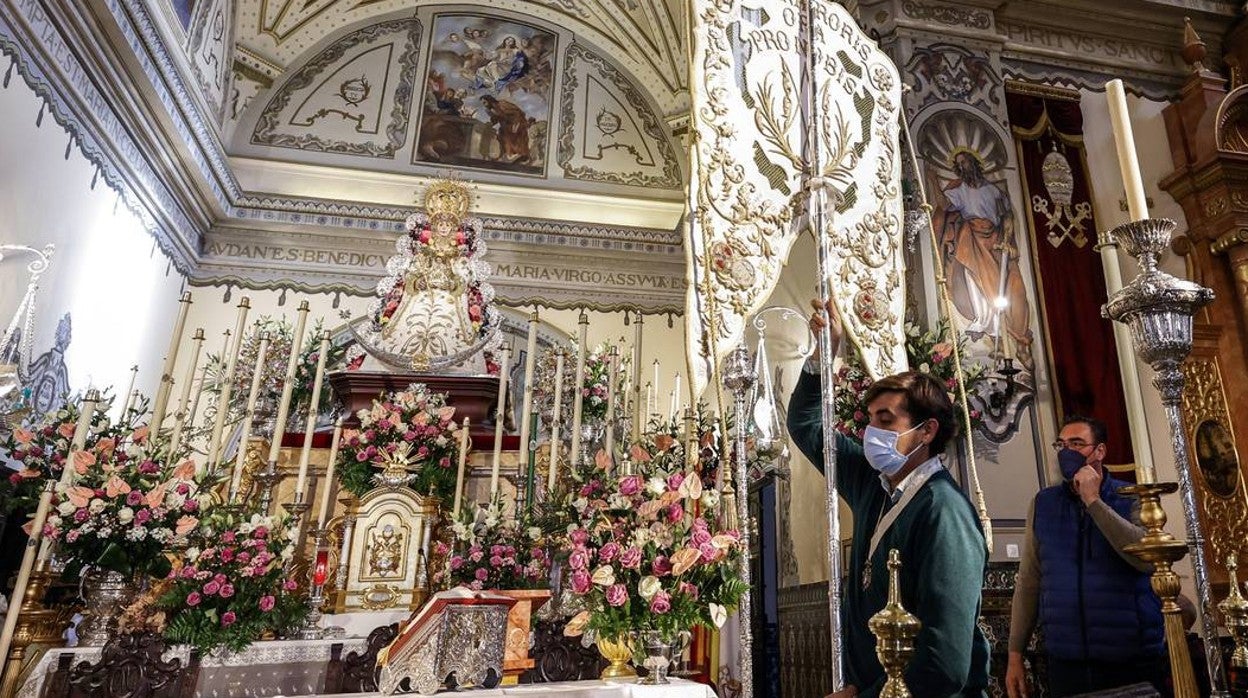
[{"x": 328, "y": 369}]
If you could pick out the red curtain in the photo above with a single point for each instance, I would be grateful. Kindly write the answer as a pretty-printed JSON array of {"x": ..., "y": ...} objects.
[{"x": 1048, "y": 133}]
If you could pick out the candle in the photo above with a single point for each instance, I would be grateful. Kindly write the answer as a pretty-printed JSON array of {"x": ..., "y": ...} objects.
[
  {"x": 656, "y": 384},
  {"x": 578, "y": 388},
  {"x": 125, "y": 407},
  {"x": 79, "y": 441},
  {"x": 649, "y": 400},
  {"x": 171, "y": 360},
  {"x": 634, "y": 378},
  {"x": 613, "y": 376},
  {"x": 223, "y": 402},
  {"x": 553, "y": 475},
  {"x": 1124, "y": 139},
  {"x": 326, "y": 499},
  {"x": 257, "y": 375},
  {"x": 676, "y": 397},
  {"x": 530, "y": 477},
  {"x": 526, "y": 410},
  {"x": 504, "y": 366},
  {"x": 288, "y": 382},
  {"x": 459, "y": 477},
  {"x": 181, "y": 418},
  {"x": 314, "y": 410}
]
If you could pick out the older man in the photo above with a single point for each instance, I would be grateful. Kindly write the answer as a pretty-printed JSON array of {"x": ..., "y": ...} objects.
[{"x": 902, "y": 497}]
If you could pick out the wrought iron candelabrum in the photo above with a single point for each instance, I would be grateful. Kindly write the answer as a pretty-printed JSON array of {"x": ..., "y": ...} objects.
[
  {"x": 1158, "y": 309},
  {"x": 895, "y": 629},
  {"x": 739, "y": 379}
]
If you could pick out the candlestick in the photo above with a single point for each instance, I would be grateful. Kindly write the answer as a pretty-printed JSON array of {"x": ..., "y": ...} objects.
[
  {"x": 171, "y": 360},
  {"x": 288, "y": 383},
  {"x": 504, "y": 367},
  {"x": 634, "y": 377},
  {"x": 314, "y": 410},
  {"x": 125, "y": 407},
  {"x": 323, "y": 516},
  {"x": 1124, "y": 140},
  {"x": 613, "y": 377},
  {"x": 553, "y": 475},
  {"x": 227, "y": 383},
  {"x": 578, "y": 388},
  {"x": 257, "y": 376},
  {"x": 181, "y": 418},
  {"x": 459, "y": 478},
  {"x": 526, "y": 409},
  {"x": 530, "y": 478}
]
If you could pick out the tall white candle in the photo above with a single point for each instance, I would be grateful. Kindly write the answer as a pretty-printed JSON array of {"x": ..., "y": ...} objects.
[
  {"x": 463, "y": 462},
  {"x": 1124, "y": 140},
  {"x": 288, "y": 382},
  {"x": 504, "y": 368},
  {"x": 552, "y": 476},
  {"x": 171, "y": 360},
  {"x": 257, "y": 377},
  {"x": 613, "y": 379},
  {"x": 650, "y": 406},
  {"x": 314, "y": 410},
  {"x": 181, "y": 418},
  {"x": 203, "y": 380},
  {"x": 676, "y": 398},
  {"x": 655, "y": 382},
  {"x": 326, "y": 498},
  {"x": 526, "y": 409},
  {"x": 223, "y": 403},
  {"x": 125, "y": 397},
  {"x": 578, "y": 387}
]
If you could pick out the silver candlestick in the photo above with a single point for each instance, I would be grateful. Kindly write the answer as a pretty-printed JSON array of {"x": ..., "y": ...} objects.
[
  {"x": 1158, "y": 309},
  {"x": 311, "y": 628},
  {"x": 739, "y": 379}
]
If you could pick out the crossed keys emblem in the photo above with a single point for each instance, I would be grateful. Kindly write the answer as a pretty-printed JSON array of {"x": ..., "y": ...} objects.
[{"x": 1064, "y": 221}]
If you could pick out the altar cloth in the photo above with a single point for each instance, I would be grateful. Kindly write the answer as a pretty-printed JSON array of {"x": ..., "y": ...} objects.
[{"x": 678, "y": 688}]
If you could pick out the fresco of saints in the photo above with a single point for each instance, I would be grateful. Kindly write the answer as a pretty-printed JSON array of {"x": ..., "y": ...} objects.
[{"x": 976, "y": 228}]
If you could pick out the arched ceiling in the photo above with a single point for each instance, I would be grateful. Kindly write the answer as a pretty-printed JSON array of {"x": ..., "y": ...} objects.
[{"x": 646, "y": 37}]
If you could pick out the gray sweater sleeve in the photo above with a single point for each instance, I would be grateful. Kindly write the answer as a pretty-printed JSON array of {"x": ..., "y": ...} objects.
[{"x": 1119, "y": 531}]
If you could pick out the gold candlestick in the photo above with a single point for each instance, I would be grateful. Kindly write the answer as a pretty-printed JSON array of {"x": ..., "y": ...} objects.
[
  {"x": 895, "y": 629},
  {"x": 1162, "y": 550},
  {"x": 1234, "y": 610}
]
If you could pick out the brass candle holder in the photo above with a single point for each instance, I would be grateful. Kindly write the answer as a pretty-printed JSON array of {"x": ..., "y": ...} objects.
[
  {"x": 39, "y": 628},
  {"x": 1162, "y": 550},
  {"x": 895, "y": 629},
  {"x": 1234, "y": 610}
]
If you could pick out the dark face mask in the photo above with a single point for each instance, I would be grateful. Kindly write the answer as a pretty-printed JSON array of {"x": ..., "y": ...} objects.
[{"x": 1070, "y": 461}]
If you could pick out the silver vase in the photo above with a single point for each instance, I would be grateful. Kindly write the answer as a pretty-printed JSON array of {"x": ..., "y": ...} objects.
[
  {"x": 657, "y": 652},
  {"x": 105, "y": 594}
]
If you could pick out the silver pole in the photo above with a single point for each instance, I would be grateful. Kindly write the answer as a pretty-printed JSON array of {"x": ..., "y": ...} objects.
[
  {"x": 817, "y": 206},
  {"x": 739, "y": 377}
]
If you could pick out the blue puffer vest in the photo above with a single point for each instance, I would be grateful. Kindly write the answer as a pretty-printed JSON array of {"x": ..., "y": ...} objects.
[{"x": 1093, "y": 605}]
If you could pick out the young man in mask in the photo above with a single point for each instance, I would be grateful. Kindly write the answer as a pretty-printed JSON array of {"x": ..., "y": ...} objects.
[
  {"x": 903, "y": 498},
  {"x": 1102, "y": 622}
]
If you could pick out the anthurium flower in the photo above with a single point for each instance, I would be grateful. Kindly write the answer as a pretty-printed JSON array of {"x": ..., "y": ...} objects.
[
  {"x": 684, "y": 559},
  {"x": 604, "y": 576}
]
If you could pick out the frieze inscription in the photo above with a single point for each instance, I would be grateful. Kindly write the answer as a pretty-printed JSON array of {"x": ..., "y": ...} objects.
[{"x": 1080, "y": 45}]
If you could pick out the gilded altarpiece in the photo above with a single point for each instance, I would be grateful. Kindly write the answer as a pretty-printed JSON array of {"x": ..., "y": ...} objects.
[
  {"x": 1220, "y": 490},
  {"x": 389, "y": 530}
]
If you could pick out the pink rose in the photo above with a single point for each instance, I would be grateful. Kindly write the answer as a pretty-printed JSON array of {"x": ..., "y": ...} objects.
[
  {"x": 579, "y": 537},
  {"x": 578, "y": 559},
  {"x": 496, "y": 561},
  {"x": 290, "y": 585},
  {"x": 266, "y": 603},
  {"x": 630, "y": 485},
  {"x": 457, "y": 562},
  {"x": 689, "y": 590},
  {"x": 608, "y": 552},
  {"x": 228, "y": 618},
  {"x": 211, "y": 588},
  {"x": 580, "y": 582},
  {"x": 675, "y": 513},
  {"x": 481, "y": 574},
  {"x": 617, "y": 595},
  {"x": 630, "y": 559},
  {"x": 708, "y": 552},
  {"x": 700, "y": 536},
  {"x": 661, "y": 603},
  {"x": 193, "y": 598},
  {"x": 661, "y": 566},
  {"x": 227, "y": 590}
]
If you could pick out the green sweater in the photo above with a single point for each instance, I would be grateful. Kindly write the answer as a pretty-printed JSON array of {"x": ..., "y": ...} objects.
[{"x": 943, "y": 558}]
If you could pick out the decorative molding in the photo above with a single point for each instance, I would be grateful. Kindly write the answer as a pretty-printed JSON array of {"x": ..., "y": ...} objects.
[
  {"x": 952, "y": 73},
  {"x": 208, "y": 50},
  {"x": 1033, "y": 89},
  {"x": 268, "y": 127},
  {"x": 944, "y": 14},
  {"x": 575, "y": 116}
]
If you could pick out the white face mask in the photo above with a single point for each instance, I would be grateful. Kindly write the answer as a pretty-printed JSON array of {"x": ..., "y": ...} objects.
[{"x": 880, "y": 448}]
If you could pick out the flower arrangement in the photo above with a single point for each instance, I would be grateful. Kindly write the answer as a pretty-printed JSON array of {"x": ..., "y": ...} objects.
[
  {"x": 414, "y": 424},
  {"x": 495, "y": 551},
  {"x": 124, "y": 508},
  {"x": 40, "y": 448},
  {"x": 231, "y": 586},
  {"x": 593, "y": 388},
  {"x": 305, "y": 369},
  {"x": 927, "y": 352},
  {"x": 644, "y": 553}
]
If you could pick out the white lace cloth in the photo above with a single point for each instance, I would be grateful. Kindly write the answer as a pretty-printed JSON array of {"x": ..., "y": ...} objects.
[{"x": 581, "y": 689}]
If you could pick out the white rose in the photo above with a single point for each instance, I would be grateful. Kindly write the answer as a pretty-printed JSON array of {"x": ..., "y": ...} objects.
[
  {"x": 66, "y": 508},
  {"x": 192, "y": 554},
  {"x": 96, "y": 506},
  {"x": 648, "y": 587},
  {"x": 441, "y": 441},
  {"x": 174, "y": 501},
  {"x": 710, "y": 499},
  {"x": 534, "y": 532},
  {"x": 126, "y": 515},
  {"x": 657, "y": 485}
]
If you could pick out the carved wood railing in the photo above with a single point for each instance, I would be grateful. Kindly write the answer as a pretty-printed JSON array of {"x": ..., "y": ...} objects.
[
  {"x": 561, "y": 658},
  {"x": 130, "y": 666}
]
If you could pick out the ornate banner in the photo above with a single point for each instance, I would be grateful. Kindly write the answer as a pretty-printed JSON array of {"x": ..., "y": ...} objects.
[{"x": 746, "y": 198}]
